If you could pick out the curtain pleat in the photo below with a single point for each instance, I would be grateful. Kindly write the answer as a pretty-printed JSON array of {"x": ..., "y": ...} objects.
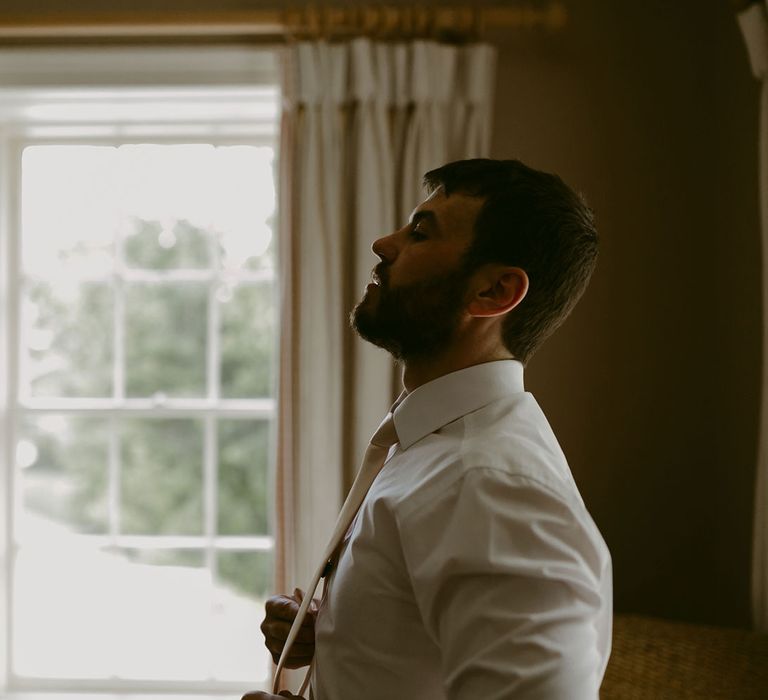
[
  {"x": 754, "y": 26},
  {"x": 362, "y": 121}
]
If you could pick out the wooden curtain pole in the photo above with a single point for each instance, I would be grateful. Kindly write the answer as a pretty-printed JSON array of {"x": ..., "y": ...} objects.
[{"x": 327, "y": 20}]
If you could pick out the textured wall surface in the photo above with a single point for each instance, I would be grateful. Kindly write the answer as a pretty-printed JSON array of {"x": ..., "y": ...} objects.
[{"x": 652, "y": 385}]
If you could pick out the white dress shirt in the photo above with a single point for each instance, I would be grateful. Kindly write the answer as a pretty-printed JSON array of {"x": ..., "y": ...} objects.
[{"x": 473, "y": 570}]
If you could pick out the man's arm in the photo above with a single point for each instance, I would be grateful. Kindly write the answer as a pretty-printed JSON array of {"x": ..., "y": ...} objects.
[{"x": 510, "y": 580}]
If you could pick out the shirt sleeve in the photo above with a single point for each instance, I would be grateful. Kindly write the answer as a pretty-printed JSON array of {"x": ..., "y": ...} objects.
[{"x": 507, "y": 577}]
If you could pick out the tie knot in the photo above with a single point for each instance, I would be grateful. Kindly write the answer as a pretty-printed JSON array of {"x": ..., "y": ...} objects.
[{"x": 385, "y": 435}]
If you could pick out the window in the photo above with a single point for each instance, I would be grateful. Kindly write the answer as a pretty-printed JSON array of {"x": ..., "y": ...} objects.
[{"x": 139, "y": 309}]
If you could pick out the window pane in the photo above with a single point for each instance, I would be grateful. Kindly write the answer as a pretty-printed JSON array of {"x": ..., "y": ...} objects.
[
  {"x": 70, "y": 210},
  {"x": 249, "y": 573},
  {"x": 140, "y": 614},
  {"x": 163, "y": 615},
  {"x": 175, "y": 244},
  {"x": 247, "y": 342},
  {"x": 165, "y": 339},
  {"x": 62, "y": 463},
  {"x": 265, "y": 260},
  {"x": 245, "y": 583},
  {"x": 84, "y": 611},
  {"x": 243, "y": 477},
  {"x": 162, "y": 476},
  {"x": 172, "y": 183},
  {"x": 67, "y": 332},
  {"x": 245, "y": 192},
  {"x": 64, "y": 606}
]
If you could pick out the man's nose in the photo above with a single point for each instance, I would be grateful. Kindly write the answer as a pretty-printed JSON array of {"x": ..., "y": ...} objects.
[{"x": 385, "y": 247}]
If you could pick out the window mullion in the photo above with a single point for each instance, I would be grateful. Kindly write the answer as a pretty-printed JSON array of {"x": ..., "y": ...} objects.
[
  {"x": 113, "y": 482},
  {"x": 213, "y": 377},
  {"x": 210, "y": 494},
  {"x": 118, "y": 386},
  {"x": 118, "y": 376},
  {"x": 210, "y": 490}
]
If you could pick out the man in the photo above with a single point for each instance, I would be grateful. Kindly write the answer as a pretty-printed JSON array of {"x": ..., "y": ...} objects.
[{"x": 473, "y": 569}]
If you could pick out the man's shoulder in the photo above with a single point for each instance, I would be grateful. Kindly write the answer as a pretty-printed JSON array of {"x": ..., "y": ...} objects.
[
  {"x": 509, "y": 439},
  {"x": 513, "y": 436}
]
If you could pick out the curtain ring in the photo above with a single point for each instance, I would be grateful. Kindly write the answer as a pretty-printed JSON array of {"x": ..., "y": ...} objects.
[
  {"x": 286, "y": 17},
  {"x": 467, "y": 24},
  {"x": 357, "y": 21},
  {"x": 369, "y": 16},
  {"x": 407, "y": 22},
  {"x": 391, "y": 21},
  {"x": 478, "y": 22},
  {"x": 312, "y": 14},
  {"x": 338, "y": 20},
  {"x": 323, "y": 22},
  {"x": 378, "y": 21},
  {"x": 421, "y": 16}
]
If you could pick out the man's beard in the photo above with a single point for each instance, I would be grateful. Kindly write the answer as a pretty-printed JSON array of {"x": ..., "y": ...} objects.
[{"x": 416, "y": 321}]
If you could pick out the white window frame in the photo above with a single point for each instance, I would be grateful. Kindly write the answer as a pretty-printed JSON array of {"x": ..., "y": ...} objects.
[{"x": 219, "y": 92}]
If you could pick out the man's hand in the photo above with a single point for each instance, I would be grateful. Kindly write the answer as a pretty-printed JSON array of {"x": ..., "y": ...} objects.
[
  {"x": 258, "y": 695},
  {"x": 281, "y": 612}
]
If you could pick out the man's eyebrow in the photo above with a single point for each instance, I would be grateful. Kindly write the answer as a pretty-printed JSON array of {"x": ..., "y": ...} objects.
[{"x": 425, "y": 215}]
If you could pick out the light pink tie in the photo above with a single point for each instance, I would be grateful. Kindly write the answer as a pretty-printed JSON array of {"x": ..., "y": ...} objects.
[{"x": 375, "y": 456}]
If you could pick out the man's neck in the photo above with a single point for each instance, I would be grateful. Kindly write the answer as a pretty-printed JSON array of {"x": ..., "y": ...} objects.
[{"x": 419, "y": 371}]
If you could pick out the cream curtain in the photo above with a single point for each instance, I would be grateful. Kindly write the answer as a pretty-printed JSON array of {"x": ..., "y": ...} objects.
[
  {"x": 754, "y": 26},
  {"x": 362, "y": 121}
]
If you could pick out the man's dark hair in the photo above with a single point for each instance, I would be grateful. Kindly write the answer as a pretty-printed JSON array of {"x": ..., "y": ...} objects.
[{"x": 532, "y": 220}]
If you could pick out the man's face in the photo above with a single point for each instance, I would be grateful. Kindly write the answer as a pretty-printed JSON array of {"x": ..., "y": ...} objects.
[{"x": 415, "y": 305}]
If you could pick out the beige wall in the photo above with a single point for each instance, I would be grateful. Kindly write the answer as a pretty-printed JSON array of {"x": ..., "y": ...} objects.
[{"x": 652, "y": 385}]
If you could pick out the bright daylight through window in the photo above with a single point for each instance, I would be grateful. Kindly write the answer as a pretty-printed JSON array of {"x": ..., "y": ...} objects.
[{"x": 141, "y": 545}]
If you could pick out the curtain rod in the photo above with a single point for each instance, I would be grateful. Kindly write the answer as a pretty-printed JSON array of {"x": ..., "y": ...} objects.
[{"x": 312, "y": 20}]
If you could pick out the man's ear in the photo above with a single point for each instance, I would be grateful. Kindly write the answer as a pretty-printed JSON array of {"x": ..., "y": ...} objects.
[{"x": 498, "y": 289}]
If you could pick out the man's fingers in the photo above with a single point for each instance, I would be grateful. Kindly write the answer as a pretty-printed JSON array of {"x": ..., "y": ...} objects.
[
  {"x": 282, "y": 607},
  {"x": 294, "y": 660},
  {"x": 280, "y": 630},
  {"x": 297, "y": 648}
]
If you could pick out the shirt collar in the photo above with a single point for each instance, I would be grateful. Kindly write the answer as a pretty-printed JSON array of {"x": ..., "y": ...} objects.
[{"x": 447, "y": 398}]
